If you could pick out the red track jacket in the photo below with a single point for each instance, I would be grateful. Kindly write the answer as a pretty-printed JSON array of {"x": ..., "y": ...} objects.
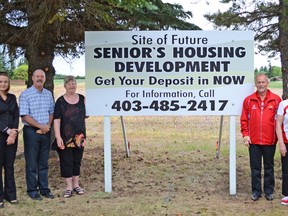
[{"x": 258, "y": 119}]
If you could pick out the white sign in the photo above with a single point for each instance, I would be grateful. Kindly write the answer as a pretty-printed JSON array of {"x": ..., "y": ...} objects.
[{"x": 168, "y": 72}]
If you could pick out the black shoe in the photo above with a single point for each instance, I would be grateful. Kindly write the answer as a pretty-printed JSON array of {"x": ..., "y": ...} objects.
[
  {"x": 2, "y": 205},
  {"x": 255, "y": 196},
  {"x": 269, "y": 197},
  {"x": 35, "y": 197},
  {"x": 48, "y": 195}
]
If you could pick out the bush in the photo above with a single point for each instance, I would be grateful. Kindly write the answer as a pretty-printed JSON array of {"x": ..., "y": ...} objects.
[{"x": 21, "y": 73}]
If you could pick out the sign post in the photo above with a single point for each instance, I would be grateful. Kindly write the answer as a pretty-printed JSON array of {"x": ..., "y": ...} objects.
[
  {"x": 107, "y": 154},
  {"x": 232, "y": 156}
]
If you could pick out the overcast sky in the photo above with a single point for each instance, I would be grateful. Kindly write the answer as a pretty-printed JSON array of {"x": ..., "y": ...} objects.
[{"x": 197, "y": 7}]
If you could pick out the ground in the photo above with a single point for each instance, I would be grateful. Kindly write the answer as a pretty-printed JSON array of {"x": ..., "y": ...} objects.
[{"x": 172, "y": 170}]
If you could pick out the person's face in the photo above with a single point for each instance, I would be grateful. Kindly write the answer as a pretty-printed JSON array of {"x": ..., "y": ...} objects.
[
  {"x": 71, "y": 87},
  {"x": 39, "y": 78},
  {"x": 261, "y": 84},
  {"x": 4, "y": 82}
]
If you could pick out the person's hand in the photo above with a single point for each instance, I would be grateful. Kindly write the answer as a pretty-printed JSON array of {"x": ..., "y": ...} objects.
[
  {"x": 84, "y": 143},
  {"x": 43, "y": 129},
  {"x": 60, "y": 143},
  {"x": 13, "y": 132},
  {"x": 283, "y": 149},
  {"x": 10, "y": 140},
  {"x": 247, "y": 141}
]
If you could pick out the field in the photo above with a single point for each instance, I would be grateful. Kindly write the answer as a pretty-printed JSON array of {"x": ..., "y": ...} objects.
[{"x": 172, "y": 171}]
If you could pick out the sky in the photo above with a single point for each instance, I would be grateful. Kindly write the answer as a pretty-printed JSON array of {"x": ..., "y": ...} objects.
[{"x": 198, "y": 9}]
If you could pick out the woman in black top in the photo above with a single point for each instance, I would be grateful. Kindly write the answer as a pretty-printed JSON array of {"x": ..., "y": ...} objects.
[
  {"x": 70, "y": 134},
  {"x": 9, "y": 122}
]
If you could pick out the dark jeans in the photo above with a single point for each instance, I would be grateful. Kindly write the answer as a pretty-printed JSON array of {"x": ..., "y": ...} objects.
[
  {"x": 7, "y": 158},
  {"x": 256, "y": 152},
  {"x": 70, "y": 161},
  {"x": 36, "y": 151},
  {"x": 284, "y": 161}
]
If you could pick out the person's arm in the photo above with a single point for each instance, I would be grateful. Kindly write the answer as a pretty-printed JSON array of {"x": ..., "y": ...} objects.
[
  {"x": 57, "y": 124},
  {"x": 51, "y": 118},
  {"x": 244, "y": 121},
  {"x": 3, "y": 124},
  {"x": 15, "y": 123},
  {"x": 57, "y": 133},
  {"x": 6, "y": 130},
  {"x": 12, "y": 129},
  {"x": 32, "y": 122},
  {"x": 282, "y": 147}
]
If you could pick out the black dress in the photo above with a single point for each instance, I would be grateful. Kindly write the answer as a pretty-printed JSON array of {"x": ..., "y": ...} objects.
[{"x": 9, "y": 118}]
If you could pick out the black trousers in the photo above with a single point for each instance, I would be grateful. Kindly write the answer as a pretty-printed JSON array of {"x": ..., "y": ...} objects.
[
  {"x": 284, "y": 162},
  {"x": 70, "y": 161},
  {"x": 256, "y": 153},
  {"x": 7, "y": 158}
]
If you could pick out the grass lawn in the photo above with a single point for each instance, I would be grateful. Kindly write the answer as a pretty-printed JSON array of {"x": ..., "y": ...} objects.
[{"x": 276, "y": 84}]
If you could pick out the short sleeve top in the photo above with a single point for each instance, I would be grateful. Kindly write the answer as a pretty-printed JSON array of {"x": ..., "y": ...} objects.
[
  {"x": 37, "y": 104},
  {"x": 72, "y": 117}
]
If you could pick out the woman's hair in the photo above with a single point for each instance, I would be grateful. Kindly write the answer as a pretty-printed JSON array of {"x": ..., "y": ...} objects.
[
  {"x": 69, "y": 78},
  {"x": 2, "y": 73}
]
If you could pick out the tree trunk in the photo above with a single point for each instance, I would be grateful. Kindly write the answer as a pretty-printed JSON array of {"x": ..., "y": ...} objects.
[
  {"x": 41, "y": 58},
  {"x": 283, "y": 44}
]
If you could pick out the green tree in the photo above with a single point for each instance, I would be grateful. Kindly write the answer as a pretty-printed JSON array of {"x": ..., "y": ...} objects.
[
  {"x": 41, "y": 29},
  {"x": 2, "y": 68},
  {"x": 276, "y": 71},
  {"x": 269, "y": 72},
  {"x": 268, "y": 20},
  {"x": 21, "y": 72},
  {"x": 264, "y": 69}
]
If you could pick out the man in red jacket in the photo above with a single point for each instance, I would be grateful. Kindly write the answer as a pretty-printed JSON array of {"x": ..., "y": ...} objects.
[{"x": 258, "y": 125}]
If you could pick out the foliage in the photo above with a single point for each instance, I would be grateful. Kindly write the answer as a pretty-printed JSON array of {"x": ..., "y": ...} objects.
[
  {"x": 2, "y": 68},
  {"x": 21, "y": 72},
  {"x": 41, "y": 29},
  {"x": 272, "y": 71},
  {"x": 276, "y": 71},
  {"x": 4, "y": 64},
  {"x": 268, "y": 20},
  {"x": 259, "y": 16}
]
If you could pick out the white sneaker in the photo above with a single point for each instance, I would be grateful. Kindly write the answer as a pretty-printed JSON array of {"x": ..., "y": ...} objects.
[{"x": 284, "y": 201}]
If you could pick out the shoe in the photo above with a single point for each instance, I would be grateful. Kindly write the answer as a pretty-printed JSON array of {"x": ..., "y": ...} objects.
[
  {"x": 35, "y": 197},
  {"x": 1, "y": 204},
  {"x": 78, "y": 190},
  {"x": 284, "y": 201},
  {"x": 14, "y": 202},
  {"x": 67, "y": 193},
  {"x": 269, "y": 197},
  {"x": 255, "y": 196},
  {"x": 48, "y": 195}
]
